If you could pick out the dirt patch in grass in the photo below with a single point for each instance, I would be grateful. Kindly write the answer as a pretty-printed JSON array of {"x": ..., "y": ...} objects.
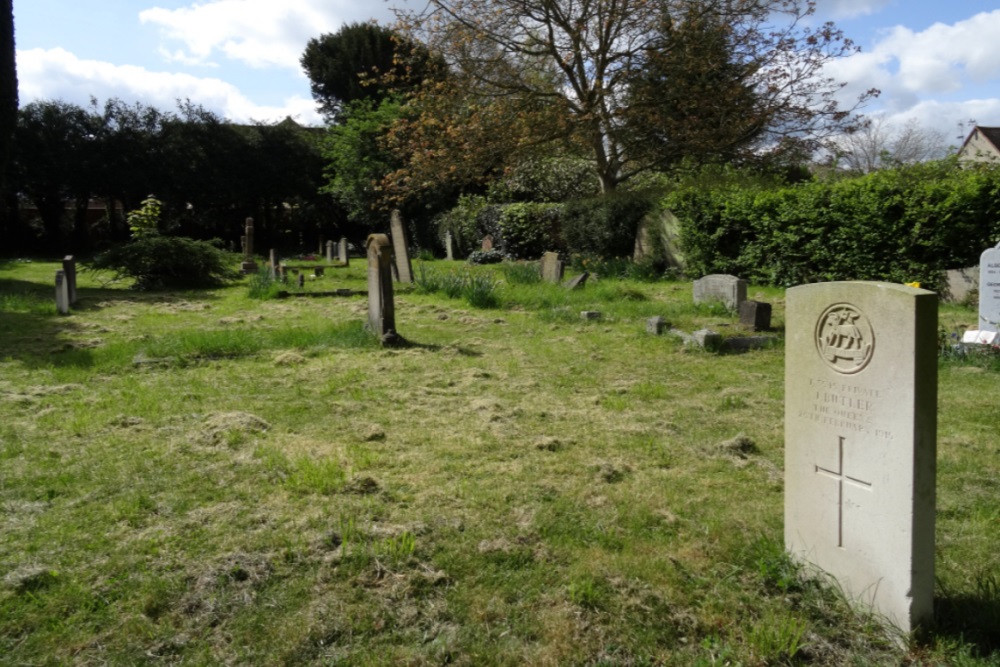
[{"x": 231, "y": 428}]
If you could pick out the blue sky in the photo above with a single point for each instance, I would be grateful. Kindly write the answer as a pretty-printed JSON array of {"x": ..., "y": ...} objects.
[{"x": 937, "y": 62}]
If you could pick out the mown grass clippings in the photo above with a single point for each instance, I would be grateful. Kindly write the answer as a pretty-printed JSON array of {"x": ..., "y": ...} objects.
[{"x": 279, "y": 489}]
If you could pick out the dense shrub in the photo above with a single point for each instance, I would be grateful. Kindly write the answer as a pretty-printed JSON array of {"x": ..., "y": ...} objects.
[
  {"x": 605, "y": 226},
  {"x": 494, "y": 256},
  {"x": 164, "y": 262},
  {"x": 900, "y": 225}
]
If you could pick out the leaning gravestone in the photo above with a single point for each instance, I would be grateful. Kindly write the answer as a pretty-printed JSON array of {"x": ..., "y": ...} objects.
[
  {"x": 248, "y": 265},
  {"x": 989, "y": 290},
  {"x": 381, "y": 312},
  {"x": 342, "y": 251},
  {"x": 400, "y": 247},
  {"x": 62, "y": 293},
  {"x": 730, "y": 290},
  {"x": 552, "y": 267},
  {"x": 860, "y": 441},
  {"x": 69, "y": 268}
]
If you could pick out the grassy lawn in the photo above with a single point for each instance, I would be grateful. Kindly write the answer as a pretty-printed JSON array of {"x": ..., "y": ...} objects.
[{"x": 203, "y": 478}]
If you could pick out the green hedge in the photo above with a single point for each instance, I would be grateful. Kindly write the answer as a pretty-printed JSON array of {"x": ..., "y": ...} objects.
[
  {"x": 605, "y": 226},
  {"x": 900, "y": 225}
]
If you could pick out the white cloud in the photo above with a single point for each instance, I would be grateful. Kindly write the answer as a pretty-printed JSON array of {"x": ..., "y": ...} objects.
[
  {"x": 259, "y": 33},
  {"x": 912, "y": 68},
  {"x": 843, "y": 9},
  {"x": 57, "y": 74}
]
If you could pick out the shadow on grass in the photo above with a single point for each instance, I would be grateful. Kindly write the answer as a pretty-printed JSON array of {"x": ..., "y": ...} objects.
[
  {"x": 405, "y": 344},
  {"x": 972, "y": 618},
  {"x": 33, "y": 332}
]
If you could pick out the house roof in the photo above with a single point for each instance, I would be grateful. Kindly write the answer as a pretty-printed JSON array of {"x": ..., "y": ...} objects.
[{"x": 991, "y": 134}]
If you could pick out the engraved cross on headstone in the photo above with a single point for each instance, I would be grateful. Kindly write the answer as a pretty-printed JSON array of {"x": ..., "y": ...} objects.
[{"x": 842, "y": 478}]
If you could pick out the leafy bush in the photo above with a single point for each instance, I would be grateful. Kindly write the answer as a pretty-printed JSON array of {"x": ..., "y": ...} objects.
[
  {"x": 165, "y": 262},
  {"x": 550, "y": 179},
  {"x": 494, "y": 256},
  {"x": 901, "y": 225},
  {"x": 605, "y": 226}
]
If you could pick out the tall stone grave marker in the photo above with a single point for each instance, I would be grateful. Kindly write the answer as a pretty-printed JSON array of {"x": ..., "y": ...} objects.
[
  {"x": 860, "y": 441},
  {"x": 62, "y": 293},
  {"x": 272, "y": 264},
  {"x": 989, "y": 290},
  {"x": 248, "y": 265},
  {"x": 381, "y": 311},
  {"x": 449, "y": 252},
  {"x": 401, "y": 248},
  {"x": 342, "y": 251},
  {"x": 730, "y": 290},
  {"x": 552, "y": 267},
  {"x": 69, "y": 268},
  {"x": 329, "y": 251}
]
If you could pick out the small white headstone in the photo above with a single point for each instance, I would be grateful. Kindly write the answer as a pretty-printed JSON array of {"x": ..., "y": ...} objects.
[
  {"x": 860, "y": 441},
  {"x": 989, "y": 290},
  {"x": 980, "y": 337}
]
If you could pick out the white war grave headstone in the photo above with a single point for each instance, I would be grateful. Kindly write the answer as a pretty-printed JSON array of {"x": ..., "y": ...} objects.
[
  {"x": 861, "y": 440},
  {"x": 989, "y": 290},
  {"x": 400, "y": 247},
  {"x": 381, "y": 311}
]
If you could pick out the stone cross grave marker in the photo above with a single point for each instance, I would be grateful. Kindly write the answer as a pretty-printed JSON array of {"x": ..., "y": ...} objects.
[
  {"x": 329, "y": 251},
  {"x": 552, "y": 267},
  {"x": 342, "y": 251},
  {"x": 62, "y": 293},
  {"x": 248, "y": 265},
  {"x": 730, "y": 290},
  {"x": 860, "y": 441},
  {"x": 381, "y": 312},
  {"x": 400, "y": 247},
  {"x": 69, "y": 268},
  {"x": 989, "y": 290},
  {"x": 449, "y": 251}
]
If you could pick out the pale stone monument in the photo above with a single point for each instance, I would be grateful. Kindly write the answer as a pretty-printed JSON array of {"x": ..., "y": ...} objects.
[
  {"x": 960, "y": 283},
  {"x": 62, "y": 293},
  {"x": 329, "y": 251},
  {"x": 860, "y": 441},
  {"x": 248, "y": 265},
  {"x": 989, "y": 290},
  {"x": 272, "y": 264},
  {"x": 69, "y": 268},
  {"x": 381, "y": 312},
  {"x": 448, "y": 249},
  {"x": 342, "y": 251},
  {"x": 730, "y": 290},
  {"x": 487, "y": 243},
  {"x": 401, "y": 248},
  {"x": 552, "y": 267}
]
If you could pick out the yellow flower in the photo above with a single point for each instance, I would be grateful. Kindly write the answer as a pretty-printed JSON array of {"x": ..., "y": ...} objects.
[{"x": 913, "y": 284}]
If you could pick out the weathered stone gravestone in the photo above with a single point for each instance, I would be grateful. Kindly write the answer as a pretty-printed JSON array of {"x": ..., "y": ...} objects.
[
  {"x": 62, "y": 293},
  {"x": 860, "y": 441},
  {"x": 329, "y": 251},
  {"x": 730, "y": 290},
  {"x": 69, "y": 269},
  {"x": 449, "y": 251},
  {"x": 577, "y": 282},
  {"x": 381, "y": 311},
  {"x": 655, "y": 325},
  {"x": 401, "y": 248},
  {"x": 487, "y": 243},
  {"x": 989, "y": 290},
  {"x": 756, "y": 315},
  {"x": 248, "y": 265},
  {"x": 552, "y": 267},
  {"x": 272, "y": 264},
  {"x": 960, "y": 283},
  {"x": 342, "y": 252}
]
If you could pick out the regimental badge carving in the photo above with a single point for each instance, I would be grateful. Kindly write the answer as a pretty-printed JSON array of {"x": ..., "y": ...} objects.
[{"x": 844, "y": 338}]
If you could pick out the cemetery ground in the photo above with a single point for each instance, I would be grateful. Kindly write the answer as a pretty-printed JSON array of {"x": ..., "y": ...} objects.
[{"x": 205, "y": 478}]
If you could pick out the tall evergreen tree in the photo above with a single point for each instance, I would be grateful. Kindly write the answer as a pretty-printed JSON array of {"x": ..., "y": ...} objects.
[{"x": 8, "y": 106}]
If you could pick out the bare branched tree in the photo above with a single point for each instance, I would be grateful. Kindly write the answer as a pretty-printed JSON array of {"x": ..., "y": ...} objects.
[{"x": 879, "y": 144}]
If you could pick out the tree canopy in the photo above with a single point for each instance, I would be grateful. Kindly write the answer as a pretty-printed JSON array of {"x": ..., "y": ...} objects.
[
  {"x": 362, "y": 61},
  {"x": 587, "y": 72}
]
